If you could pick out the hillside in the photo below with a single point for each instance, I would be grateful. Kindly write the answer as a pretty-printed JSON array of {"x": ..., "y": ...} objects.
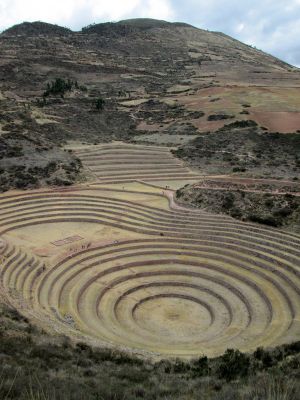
[
  {"x": 35, "y": 29},
  {"x": 131, "y": 26},
  {"x": 149, "y": 215},
  {"x": 272, "y": 209},
  {"x": 244, "y": 148},
  {"x": 164, "y": 83}
]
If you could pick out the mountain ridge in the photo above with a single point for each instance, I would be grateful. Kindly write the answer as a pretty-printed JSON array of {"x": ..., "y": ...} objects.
[
  {"x": 36, "y": 27},
  {"x": 119, "y": 28},
  {"x": 45, "y": 27},
  {"x": 162, "y": 86}
]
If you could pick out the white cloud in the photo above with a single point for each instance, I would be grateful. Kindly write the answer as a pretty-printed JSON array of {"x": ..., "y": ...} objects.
[
  {"x": 112, "y": 9},
  {"x": 158, "y": 9},
  {"x": 54, "y": 11},
  {"x": 273, "y": 26},
  {"x": 75, "y": 13},
  {"x": 240, "y": 27}
]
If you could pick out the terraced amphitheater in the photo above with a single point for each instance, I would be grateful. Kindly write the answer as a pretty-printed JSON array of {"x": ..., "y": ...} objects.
[
  {"x": 117, "y": 262},
  {"x": 119, "y": 163}
]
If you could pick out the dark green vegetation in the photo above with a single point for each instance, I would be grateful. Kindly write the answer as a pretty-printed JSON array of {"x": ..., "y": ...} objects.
[
  {"x": 266, "y": 208},
  {"x": 244, "y": 147},
  {"x": 60, "y": 87},
  {"x": 219, "y": 117},
  {"x": 36, "y": 366},
  {"x": 99, "y": 104}
]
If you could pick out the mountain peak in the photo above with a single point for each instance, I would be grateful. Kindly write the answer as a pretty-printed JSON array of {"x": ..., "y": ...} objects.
[
  {"x": 131, "y": 26},
  {"x": 149, "y": 23},
  {"x": 36, "y": 28}
]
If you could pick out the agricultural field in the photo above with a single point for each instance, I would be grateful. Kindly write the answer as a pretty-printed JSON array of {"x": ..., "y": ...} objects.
[{"x": 117, "y": 262}]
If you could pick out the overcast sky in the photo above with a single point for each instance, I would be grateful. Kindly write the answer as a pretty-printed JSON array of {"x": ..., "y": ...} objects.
[{"x": 271, "y": 25}]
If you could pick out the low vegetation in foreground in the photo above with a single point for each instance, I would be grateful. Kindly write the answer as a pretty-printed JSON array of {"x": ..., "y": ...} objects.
[{"x": 37, "y": 366}]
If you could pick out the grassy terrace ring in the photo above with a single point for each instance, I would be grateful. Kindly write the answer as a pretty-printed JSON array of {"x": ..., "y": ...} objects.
[{"x": 147, "y": 275}]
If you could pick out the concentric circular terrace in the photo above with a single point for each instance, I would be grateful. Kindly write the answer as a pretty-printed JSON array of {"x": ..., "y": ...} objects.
[{"x": 123, "y": 265}]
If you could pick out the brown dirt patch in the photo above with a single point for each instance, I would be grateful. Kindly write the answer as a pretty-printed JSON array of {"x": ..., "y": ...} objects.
[{"x": 283, "y": 122}]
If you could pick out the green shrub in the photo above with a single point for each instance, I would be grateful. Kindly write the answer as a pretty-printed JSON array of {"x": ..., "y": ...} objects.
[
  {"x": 60, "y": 87},
  {"x": 99, "y": 104},
  {"x": 228, "y": 201},
  {"x": 239, "y": 169},
  {"x": 233, "y": 364},
  {"x": 200, "y": 367},
  {"x": 267, "y": 220}
]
